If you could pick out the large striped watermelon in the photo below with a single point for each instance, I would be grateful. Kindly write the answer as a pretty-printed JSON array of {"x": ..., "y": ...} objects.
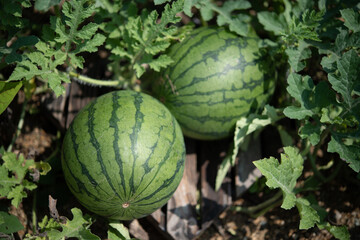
[
  {"x": 123, "y": 155},
  {"x": 216, "y": 78}
]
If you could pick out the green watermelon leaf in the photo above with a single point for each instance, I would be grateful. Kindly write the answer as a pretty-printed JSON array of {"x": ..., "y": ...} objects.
[
  {"x": 13, "y": 182},
  {"x": 44, "y": 5},
  {"x": 25, "y": 70},
  {"x": 284, "y": 175},
  {"x": 350, "y": 153},
  {"x": 247, "y": 125},
  {"x": 308, "y": 215},
  {"x": 118, "y": 231},
  {"x": 352, "y": 19},
  {"x": 160, "y": 62},
  {"x": 305, "y": 27},
  {"x": 244, "y": 127},
  {"x": 273, "y": 22},
  {"x": 70, "y": 39},
  {"x": 286, "y": 138},
  {"x": 349, "y": 75},
  {"x": 16, "y": 195},
  {"x": 14, "y": 169},
  {"x": 158, "y": 2},
  {"x": 312, "y": 131},
  {"x": 224, "y": 169},
  {"x": 298, "y": 55},
  {"x": 345, "y": 41},
  {"x": 146, "y": 36},
  {"x": 20, "y": 43},
  {"x": 9, "y": 223},
  {"x": 237, "y": 23},
  {"x": 91, "y": 44},
  {"x": 299, "y": 84},
  {"x": 43, "y": 63},
  {"x": 8, "y": 91},
  {"x": 329, "y": 63},
  {"x": 11, "y": 13},
  {"x": 47, "y": 224},
  {"x": 297, "y": 112},
  {"x": 291, "y": 26},
  {"x": 312, "y": 98},
  {"x": 206, "y": 12},
  {"x": 43, "y": 167},
  {"x": 76, "y": 228},
  {"x": 188, "y": 4},
  {"x": 68, "y": 32},
  {"x": 339, "y": 232}
]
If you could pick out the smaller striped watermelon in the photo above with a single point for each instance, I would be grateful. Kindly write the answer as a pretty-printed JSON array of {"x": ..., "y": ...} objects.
[
  {"x": 216, "y": 78},
  {"x": 123, "y": 155}
]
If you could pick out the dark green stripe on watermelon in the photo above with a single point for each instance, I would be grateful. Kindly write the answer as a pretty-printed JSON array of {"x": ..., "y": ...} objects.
[
  {"x": 166, "y": 182},
  {"x": 123, "y": 155},
  {"x": 216, "y": 78},
  {"x": 96, "y": 145},
  {"x": 113, "y": 124},
  {"x": 139, "y": 119}
]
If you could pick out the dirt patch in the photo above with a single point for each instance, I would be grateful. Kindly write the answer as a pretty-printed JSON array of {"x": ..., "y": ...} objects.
[{"x": 340, "y": 198}]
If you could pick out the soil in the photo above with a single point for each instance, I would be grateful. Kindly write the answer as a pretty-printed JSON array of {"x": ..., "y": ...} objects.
[
  {"x": 39, "y": 140},
  {"x": 339, "y": 198}
]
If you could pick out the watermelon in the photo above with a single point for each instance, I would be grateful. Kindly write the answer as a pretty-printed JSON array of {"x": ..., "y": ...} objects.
[
  {"x": 216, "y": 78},
  {"x": 123, "y": 155}
]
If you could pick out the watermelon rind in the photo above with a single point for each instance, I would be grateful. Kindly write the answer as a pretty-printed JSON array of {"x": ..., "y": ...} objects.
[
  {"x": 216, "y": 78},
  {"x": 123, "y": 155}
]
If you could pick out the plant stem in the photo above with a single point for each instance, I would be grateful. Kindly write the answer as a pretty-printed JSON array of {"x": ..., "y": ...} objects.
[
  {"x": 335, "y": 173},
  {"x": 57, "y": 148},
  {"x": 312, "y": 156},
  {"x": 112, "y": 83},
  {"x": 317, "y": 173},
  {"x": 34, "y": 217},
  {"x": 260, "y": 209},
  {"x": 19, "y": 126}
]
